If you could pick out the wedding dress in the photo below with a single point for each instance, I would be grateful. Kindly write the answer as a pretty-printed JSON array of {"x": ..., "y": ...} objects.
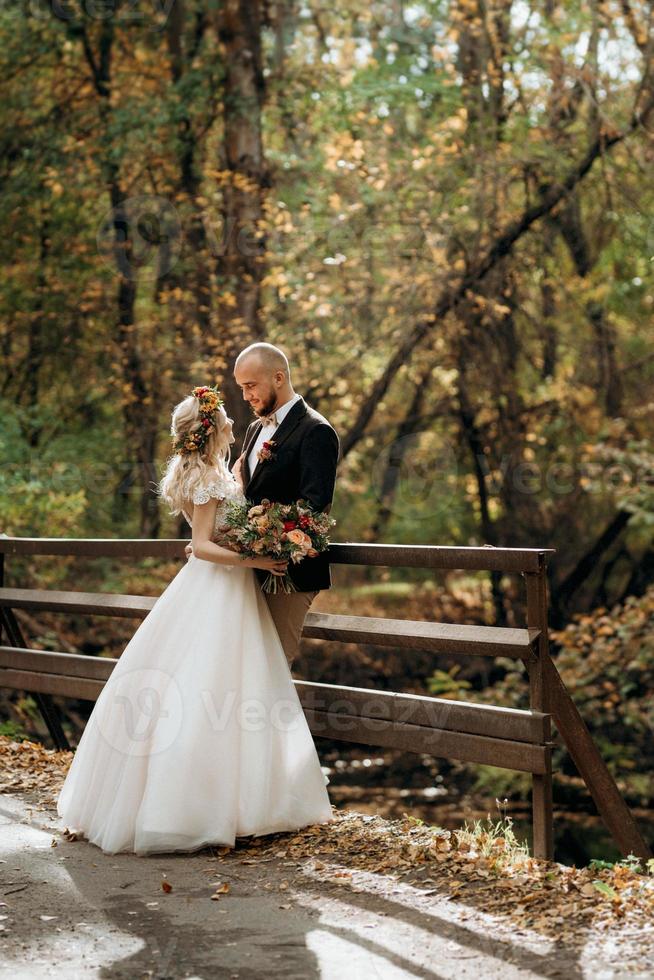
[{"x": 198, "y": 736}]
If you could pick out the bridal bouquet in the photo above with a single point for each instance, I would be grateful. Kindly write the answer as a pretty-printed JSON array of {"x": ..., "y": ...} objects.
[{"x": 273, "y": 530}]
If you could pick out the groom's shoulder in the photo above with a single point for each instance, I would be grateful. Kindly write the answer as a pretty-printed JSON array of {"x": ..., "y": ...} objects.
[{"x": 314, "y": 418}]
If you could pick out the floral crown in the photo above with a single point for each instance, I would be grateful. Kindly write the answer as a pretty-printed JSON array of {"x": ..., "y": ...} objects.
[{"x": 195, "y": 441}]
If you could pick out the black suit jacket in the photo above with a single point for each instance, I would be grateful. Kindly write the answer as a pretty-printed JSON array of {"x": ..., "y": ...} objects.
[{"x": 306, "y": 454}]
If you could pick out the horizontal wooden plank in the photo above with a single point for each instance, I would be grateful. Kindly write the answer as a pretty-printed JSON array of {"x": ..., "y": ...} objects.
[
  {"x": 484, "y": 558},
  {"x": 50, "y": 662},
  {"x": 339, "y": 701},
  {"x": 526, "y": 726},
  {"x": 503, "y": 753},
  {"x": 447, "y": 638},
  {"x": 96, "y": 547},
  {"x": 84, "y": 688},
  {"x": 418, "y": 709},
  {"x": 492, "y": 641},
  {"x": 92, "y": 603}
]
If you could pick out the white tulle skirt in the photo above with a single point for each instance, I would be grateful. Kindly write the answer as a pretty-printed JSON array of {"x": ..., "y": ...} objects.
[{"x": 198, "y": 736}]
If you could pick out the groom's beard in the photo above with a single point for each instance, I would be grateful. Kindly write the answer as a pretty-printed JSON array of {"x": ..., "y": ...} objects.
[{"x": 268, "y": 406}]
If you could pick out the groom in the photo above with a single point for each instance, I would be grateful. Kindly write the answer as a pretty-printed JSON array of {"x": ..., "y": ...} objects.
[{"x": 290, "y": 452}]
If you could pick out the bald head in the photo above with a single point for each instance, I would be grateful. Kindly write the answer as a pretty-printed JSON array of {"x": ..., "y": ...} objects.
[
  {"x": 271, "y": 358},
  {"x": 263, "y": 374}
]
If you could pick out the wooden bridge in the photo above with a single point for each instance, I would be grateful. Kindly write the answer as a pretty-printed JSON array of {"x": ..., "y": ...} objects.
[{"x": 497, "y": 736}]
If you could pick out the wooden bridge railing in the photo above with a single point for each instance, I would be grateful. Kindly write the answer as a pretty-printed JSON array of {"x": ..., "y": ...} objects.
[{"x": 505, "y": 737}]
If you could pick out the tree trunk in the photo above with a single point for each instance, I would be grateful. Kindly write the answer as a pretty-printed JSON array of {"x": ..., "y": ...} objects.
[
  {"x": 139, "y": 412},
  {"x": 197, "y": 333},
  {"x": 548, "y": 309},
  {"x": 410, "y": 425},
  {"x": 608, "y": 380},
  {"x": 563, "y": 592},
  {"x": 480, "y": 465},
  {"x": 34, "y": 358},
  {"x": 245, "y": 179}
]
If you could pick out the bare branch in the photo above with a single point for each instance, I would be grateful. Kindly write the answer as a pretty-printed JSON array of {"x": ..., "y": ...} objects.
[{"x": 551, "y": 195}]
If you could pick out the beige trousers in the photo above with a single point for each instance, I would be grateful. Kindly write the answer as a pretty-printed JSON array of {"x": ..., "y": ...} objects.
[{"x": 288, "y": 612}]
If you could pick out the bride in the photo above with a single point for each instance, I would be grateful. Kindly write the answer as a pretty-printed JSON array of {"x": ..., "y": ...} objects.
[{"x": 198, "y": 736}]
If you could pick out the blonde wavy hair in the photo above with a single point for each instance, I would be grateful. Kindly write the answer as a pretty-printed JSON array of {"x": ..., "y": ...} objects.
[{"x": 185, "y": 473}]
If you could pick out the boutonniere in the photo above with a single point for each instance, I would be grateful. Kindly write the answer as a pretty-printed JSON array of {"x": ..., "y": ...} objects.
[{"x": 266, "y": 451}]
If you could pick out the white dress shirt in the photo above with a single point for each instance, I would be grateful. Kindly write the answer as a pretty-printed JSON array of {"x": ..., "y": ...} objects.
[{"x": 267, "y": 431}]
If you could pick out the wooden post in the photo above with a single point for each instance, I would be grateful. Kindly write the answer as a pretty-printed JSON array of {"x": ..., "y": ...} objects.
[
  {"x": 44, "y": 702},
  {"x": 587, "y": 758},
  {"x": 2, "y": 582},
  {"x": 539, "y": 700},
  {"x": 612, "y": 808}
]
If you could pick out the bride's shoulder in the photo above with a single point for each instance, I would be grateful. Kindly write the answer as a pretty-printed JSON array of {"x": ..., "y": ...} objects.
[{"x": 216, "y": 483}]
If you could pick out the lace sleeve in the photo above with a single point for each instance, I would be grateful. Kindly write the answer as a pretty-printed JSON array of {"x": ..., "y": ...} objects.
[{"x": 202, "y": 494}]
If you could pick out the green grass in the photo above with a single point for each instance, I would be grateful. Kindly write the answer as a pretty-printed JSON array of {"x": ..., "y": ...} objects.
[{"x": 12, "y": 730}]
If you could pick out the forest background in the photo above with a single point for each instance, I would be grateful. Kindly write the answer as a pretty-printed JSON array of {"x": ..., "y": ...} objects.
[{"x": 442, "y": 212}]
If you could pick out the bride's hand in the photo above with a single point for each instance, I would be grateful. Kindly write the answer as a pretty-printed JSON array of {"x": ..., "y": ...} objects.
[
  {"x": 277, "y": 566},
  {"x": 237, "y": 470}
]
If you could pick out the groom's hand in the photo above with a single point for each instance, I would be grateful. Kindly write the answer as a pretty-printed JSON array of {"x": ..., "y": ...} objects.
[{"x": 188, "y": 550}]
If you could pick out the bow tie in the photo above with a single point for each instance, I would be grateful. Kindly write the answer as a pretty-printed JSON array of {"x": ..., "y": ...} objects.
[{"x": 269, "y": 419}]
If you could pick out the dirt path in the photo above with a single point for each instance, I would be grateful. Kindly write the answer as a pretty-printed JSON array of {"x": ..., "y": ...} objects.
[{"x": 298, "y": 906}]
